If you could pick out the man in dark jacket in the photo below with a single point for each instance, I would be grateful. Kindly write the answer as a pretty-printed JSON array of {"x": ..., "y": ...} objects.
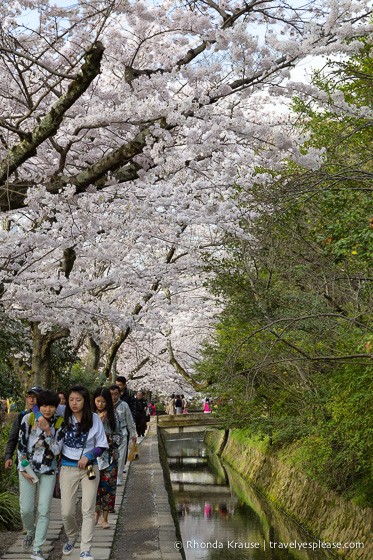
[
  {"x": 14, "y": 432},
  {"x": 125, "y": 395}
]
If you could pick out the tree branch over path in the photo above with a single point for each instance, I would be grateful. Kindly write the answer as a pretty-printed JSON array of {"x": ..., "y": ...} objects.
[
  {"x": 135, "y": 370},
  {"x": 123, "y": 335},
  {"x": 39, "y": 63},
  {"x": 49, "y": 125},
  {"x": 179, "y": 368},
  {"x": 111, "y": 162}
]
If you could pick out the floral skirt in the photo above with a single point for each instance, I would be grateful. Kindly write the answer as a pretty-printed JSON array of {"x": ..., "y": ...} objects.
[{"x": 107, "y": 488}]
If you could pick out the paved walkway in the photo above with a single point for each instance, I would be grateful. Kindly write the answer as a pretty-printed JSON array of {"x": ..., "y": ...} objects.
[{"x": 143, "y": 528}]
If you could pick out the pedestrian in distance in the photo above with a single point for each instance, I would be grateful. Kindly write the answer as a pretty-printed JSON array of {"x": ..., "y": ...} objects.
[
  {"x": 62, "y": 395},
  {"x": 128, "y": 397},
  {"x": 178, "y": 405},
  {"x": 170, "y": 406},
  {"x": 39, "y": 449},
  {"x": 125, "y": 395},
  {"x": 184, "y": 403},
  {"x": 141, "y": 413},
  {"x": 108, "y": 462},
  {"x": 152, "y": 409},
  {"x": 206, "y": 407}
]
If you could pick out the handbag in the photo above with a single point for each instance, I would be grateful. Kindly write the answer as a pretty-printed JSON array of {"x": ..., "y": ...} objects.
[{"x": 134, "y": 454}]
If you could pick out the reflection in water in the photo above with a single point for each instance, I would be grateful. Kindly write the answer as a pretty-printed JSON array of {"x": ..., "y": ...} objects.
[
  {"x": 190, "y": 461},
  {"x": 222, "y": 517},
  {"x": 195, "y": 477}
]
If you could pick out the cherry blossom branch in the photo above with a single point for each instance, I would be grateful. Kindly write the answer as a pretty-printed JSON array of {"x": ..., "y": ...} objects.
[
  {"x": 179, "y": 368},
  {"x": 19, "y": 153},
  {"x": 39, "y": 63},
  {"x": 138, "y": 368},
  {"x": 123, "y": 335},
  {"x": 111, "y": 162}
]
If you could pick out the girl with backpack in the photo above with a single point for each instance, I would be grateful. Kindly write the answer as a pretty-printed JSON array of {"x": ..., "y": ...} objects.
[
  {"x": 40, "y": 449},
  {"x": 102, "y": 404}
]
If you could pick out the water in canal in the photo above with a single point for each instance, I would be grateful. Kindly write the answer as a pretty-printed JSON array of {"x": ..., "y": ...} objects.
[{"x": 222, "y": 517}]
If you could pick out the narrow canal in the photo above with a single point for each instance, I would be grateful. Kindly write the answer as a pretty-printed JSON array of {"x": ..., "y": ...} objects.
[{"x": 222, "y": 517}]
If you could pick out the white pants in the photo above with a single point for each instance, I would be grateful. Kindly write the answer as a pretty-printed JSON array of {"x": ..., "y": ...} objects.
[
  {"x": 70, "y": 478},
  {"x": 122, "y": 454}
]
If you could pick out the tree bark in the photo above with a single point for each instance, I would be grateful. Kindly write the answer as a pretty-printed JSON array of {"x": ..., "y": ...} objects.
[
  {"x": 41, "y": 353},
  {"x": 137, "y": 369},
  {"x": 110, "y": 162},
  {"x": 41, "y": 357},
  {"x": 114, "y": 349},
  {"x": 114, "y": 372},
  {"x": 94, "y": 354}
]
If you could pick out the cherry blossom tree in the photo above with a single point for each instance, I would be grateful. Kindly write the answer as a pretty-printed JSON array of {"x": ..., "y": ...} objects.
[{"x": 129, "y": 132}]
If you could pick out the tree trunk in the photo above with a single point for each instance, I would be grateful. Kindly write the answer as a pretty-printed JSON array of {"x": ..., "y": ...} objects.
[
  {"x": 41, "y": 353},
  {"x": 94, "y": 354},
  {"x": 114, "y": 350},
  {"x": 114, "y": 372},
  {"x": 41, "y": 357}
]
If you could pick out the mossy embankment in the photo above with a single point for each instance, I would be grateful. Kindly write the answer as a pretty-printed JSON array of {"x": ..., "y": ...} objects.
[{"x": 321, "y": 512}]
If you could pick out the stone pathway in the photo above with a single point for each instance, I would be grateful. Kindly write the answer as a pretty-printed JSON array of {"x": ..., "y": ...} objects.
[
  {"x": 146, "y": 530},
  {"x": 146, "y": 533}
]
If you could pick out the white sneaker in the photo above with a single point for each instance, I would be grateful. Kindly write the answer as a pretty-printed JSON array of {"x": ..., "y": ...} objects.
[
  {"x": 119, "y": 483},
  {"x": 37, "y": 555}
]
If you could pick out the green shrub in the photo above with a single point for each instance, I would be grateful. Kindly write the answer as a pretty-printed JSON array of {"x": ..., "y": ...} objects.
[
  {"x": 8, "y": 477},
  {"x": 9, "y": 511},
  {"x": 160, "y": 407},
  {"x": 195, "y": 406},
  {"x": 78, "y": 376},
  {"x": 9, "y": 505}
]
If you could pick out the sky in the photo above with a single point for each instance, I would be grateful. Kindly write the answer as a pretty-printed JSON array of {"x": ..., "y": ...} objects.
[{"x": 298, "y": 74}]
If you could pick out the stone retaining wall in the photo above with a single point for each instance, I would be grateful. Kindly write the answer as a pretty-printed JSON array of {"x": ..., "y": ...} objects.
[{"x": 321, "y": 512}]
